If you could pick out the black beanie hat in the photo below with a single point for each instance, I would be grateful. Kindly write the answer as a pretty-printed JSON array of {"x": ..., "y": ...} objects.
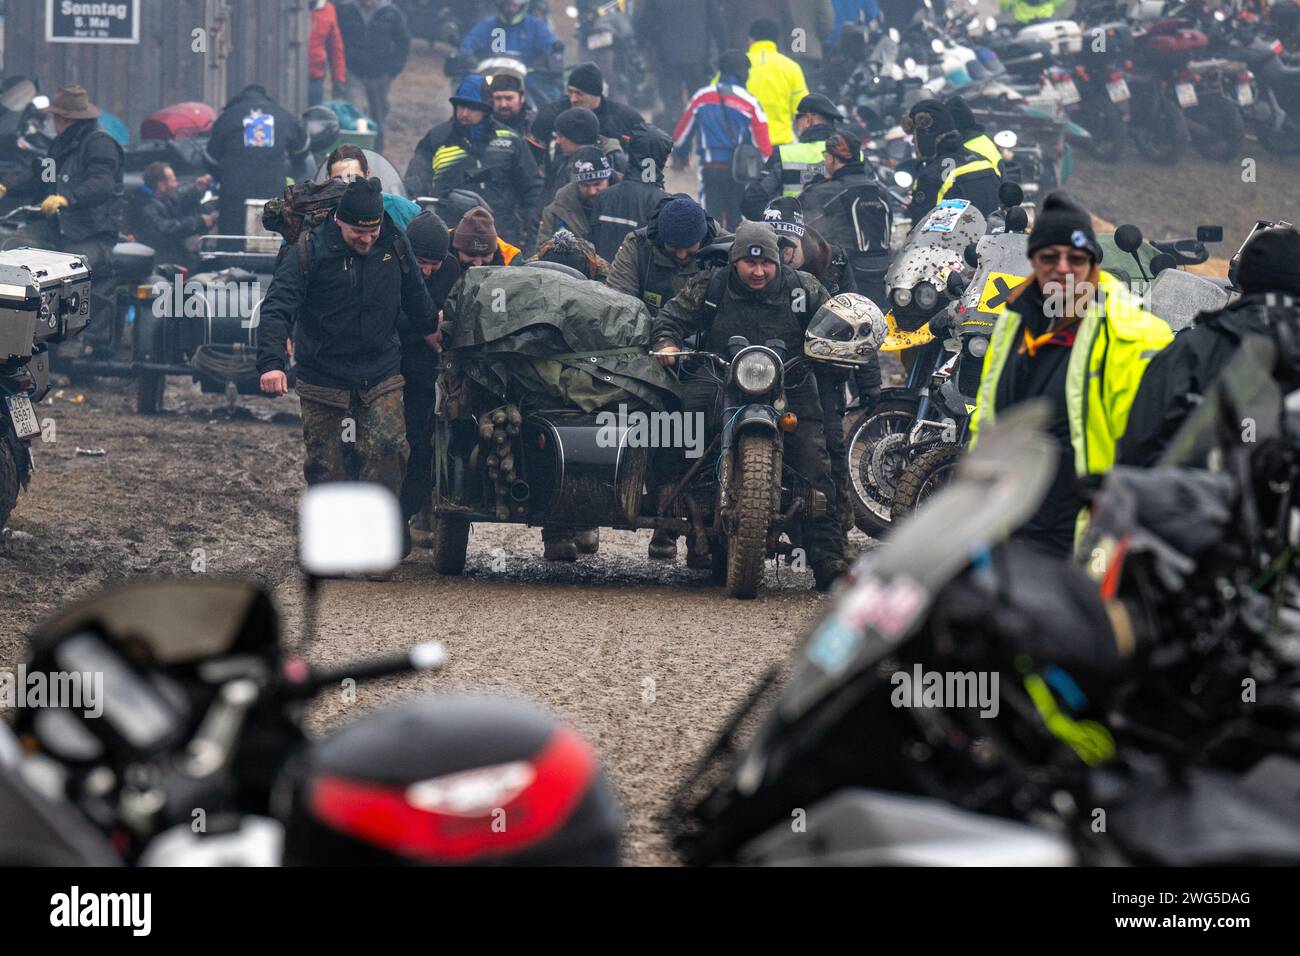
[
  {"x": 579, "y": 126},
  {"x": 429, "y": 236},
  {"x": 734, "y": 63},
  {"x": 785, "y": 216},
  {"x": 1270, "y": 262},
  {"x": 588, "y": 78},
  {"x": 1061, "y": 222},
  {"x": 362, "y": 204},
  {"x": 590, "y": 165}
]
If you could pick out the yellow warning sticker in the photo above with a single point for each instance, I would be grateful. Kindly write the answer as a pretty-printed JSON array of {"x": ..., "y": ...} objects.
[{"x": 996, "y": 289}]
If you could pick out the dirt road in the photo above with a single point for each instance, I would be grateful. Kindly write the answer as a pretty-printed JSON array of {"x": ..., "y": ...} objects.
[{"x": 647, "y": 660}]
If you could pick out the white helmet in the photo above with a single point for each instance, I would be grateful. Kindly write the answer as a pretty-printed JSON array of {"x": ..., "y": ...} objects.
[{"x": 847, "y": 330}]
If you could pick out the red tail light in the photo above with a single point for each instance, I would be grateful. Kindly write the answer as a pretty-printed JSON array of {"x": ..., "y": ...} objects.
[
  {"x": 1245, "y": 76},
  {"x": 1128, "y": 64},
  {"x": 1115, "y": 76}
]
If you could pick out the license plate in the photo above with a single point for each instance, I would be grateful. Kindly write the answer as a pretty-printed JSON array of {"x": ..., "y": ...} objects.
[
  {"x": 1118, "y": 90},
  {"x": 1245, "y": 95},
  {"x": 598, "y": 41},
  {"x": 1186, "y": 95},
  {"x": 22, "y": 415},
  {"x": 1068, "y": 92}
]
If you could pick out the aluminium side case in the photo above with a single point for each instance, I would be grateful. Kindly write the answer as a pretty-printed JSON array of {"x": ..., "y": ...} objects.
[{"x": 44, "y": 297}]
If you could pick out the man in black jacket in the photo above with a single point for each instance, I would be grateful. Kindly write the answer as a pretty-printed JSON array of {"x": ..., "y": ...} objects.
[
  {"x": 253, "y": 145},
  {"x": 338, "y": 291},
  {"x": 654, "y": 263},
  {"x": 431, "y": 242},
  {"x": 948, "y": 169},
  {"x": 849, "y": 208},
  {"x": 86, "y": 193},
  {"x": 376, "y": 44},
  {"x": 792, "y": 166},
  {"x": 629, "y": 204},
  {"x": 761, "y": 300},
  {"x": 472, "y": 151},
  {"x": 586, "y": 89},
  {"x": 163, "y": 216},
  {"x": 1180, "y": 375}
]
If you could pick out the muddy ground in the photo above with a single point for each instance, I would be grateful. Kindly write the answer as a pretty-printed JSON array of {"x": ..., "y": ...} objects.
[{"x": 646, "y": 659}]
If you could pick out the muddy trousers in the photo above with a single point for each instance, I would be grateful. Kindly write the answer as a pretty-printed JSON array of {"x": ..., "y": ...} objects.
[
  {"x": 355, "y": 436},
  {"x": 721, "y": 195},
  {"x": 804, "y": 454}
]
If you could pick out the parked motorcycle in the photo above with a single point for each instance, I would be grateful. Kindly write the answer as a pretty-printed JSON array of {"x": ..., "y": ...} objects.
[
  {"x": 876, "y": 774},
  {"x": 44, "y": 300},
  {"x": 199, "y": 755}
]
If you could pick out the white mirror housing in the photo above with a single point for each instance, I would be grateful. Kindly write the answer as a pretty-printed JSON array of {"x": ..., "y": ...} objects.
[{"x": 349, "y": 527}]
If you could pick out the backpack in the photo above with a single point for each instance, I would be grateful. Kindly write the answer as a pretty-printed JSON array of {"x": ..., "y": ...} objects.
[
  {"x": 304, "y": 206},
  {"x": 401, "y": 247}
]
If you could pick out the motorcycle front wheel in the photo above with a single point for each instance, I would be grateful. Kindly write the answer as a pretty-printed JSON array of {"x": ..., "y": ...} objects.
[
  {"x": 1161, "y": 133},
  {"x": 449, "y": 543},
  {"x": 925, "y": 474},
  {"x": 871, "y": 500},
  {"x": 753, "y": 487}
]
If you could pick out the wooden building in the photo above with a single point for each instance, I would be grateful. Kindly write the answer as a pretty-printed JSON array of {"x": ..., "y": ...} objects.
[{"x": 247, "y": 41}]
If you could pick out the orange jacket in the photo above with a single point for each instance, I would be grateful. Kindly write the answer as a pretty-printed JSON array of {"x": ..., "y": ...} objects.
[{"x": 326, "y": 41}]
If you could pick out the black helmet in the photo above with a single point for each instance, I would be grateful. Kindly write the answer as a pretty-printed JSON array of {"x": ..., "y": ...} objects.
[
  {"x": 452, "y": 780},
  {"x": 322, "y": 126}
]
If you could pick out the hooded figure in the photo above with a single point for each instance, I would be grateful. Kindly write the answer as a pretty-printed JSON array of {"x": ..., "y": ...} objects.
[
  {"x": 629, "y": 205},
  {"x": 948, "y": 169}
]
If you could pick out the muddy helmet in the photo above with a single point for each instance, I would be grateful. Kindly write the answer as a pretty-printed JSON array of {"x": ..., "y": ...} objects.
[{"x": 847, "y": 330}]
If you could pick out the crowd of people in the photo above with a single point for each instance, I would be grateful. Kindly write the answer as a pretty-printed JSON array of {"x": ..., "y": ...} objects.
[{"x": 580, "y": 181}]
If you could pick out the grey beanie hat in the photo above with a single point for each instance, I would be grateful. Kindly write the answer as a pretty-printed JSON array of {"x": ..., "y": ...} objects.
[{"x": 755, "y": 239}]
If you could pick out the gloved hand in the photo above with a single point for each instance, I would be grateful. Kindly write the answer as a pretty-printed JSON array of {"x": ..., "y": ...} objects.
[{"x": 52, "y": 204}]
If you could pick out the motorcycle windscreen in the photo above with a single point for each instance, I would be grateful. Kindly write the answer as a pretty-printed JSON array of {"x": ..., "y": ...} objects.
[
  {"x": 935, "y": 246},
  {"x": 170, "y": 621},
  {"x": 1003, "y": 266},
  {"x": 1177, "y": 297},
  {"x": 387, "y": 173},
  {"x": 998, "y": 486}
]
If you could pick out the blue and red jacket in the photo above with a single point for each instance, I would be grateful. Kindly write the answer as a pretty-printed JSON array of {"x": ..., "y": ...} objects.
[{"x": 720, "y": 132}]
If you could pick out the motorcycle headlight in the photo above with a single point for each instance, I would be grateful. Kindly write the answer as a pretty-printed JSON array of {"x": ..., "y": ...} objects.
[
  {"x": 902, "y": 298},
  {"x": 756, "y": 372},
  {"x": 926, "y": 295},
  {"x": 977, "y": 346}
]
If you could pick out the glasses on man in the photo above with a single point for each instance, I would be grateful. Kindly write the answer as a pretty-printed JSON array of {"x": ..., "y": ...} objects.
[{"x": 1046, "y": 257}]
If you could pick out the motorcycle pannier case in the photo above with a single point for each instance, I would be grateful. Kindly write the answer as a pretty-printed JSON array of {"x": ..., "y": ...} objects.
[
  {"x": 1065, "y": 36},
  {"x": 44, "y": 296},
  {"x": 179, "y": 121}
]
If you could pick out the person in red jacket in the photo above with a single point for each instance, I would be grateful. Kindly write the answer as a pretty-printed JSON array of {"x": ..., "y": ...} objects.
[{"x": 326, "y": 44}]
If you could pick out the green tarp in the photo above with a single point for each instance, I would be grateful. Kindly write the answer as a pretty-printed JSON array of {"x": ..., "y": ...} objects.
[{"x": 552, "y": 340}]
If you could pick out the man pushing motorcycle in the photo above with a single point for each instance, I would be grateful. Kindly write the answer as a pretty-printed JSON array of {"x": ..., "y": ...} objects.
[{"x": 755, "y": 296}]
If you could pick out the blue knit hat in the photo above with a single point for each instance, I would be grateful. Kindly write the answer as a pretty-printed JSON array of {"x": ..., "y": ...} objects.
[
  {"x": 682, "y": 223},
  {"x": 472, "y": 93}
]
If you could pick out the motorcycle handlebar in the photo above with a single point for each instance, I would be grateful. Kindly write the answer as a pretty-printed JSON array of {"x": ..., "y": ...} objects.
[{"x": 427, "y": 656}]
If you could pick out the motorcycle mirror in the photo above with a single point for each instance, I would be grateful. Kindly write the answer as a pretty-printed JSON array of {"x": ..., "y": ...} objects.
[
  {"x": 41, "y": 102},
  {"x": 903, "y": 179},
  {"x": 348, "y": 527},
  {"x": 971, "y": 256},
  {"x": 1162, "y": 262},
  {"x": 1010, "y": 194},
  {"x": 1209, "y": 233},
  {"x": 1128, "y": 237},
  {"x": 894, "y": 35},
  {"x": 956, "y": 284},
  {"x": 1006, "y": 138},
  {"x": 1017, "y": 220}
]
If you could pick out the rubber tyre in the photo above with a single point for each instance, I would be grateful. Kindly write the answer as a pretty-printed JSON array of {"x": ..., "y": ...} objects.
[
  {"x": 449, "y": 542},
  {"x": 8, "y": 482},
  {"x": 1163, "y": 136},
  {"x": 869, "y": 522},
  {"x": 747, "y": 544},
  {"x": 918, "y": 481},
  {"x": 1218, "y": 129},
  {"x": 1105, "y": 121},
  {"x": 1285, "y": 143}
]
